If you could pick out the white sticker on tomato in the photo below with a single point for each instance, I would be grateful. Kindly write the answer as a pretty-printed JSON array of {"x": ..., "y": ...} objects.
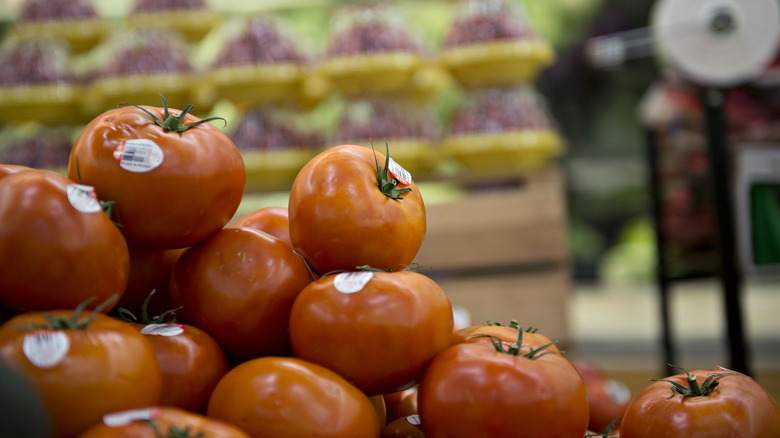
[
  {"x": 139, "y": 155},
  {"x": 166, "y": 329},
  {"x": 414, "y": 419},
  {"x": 351, "y": 282},
  {"x": 45, "y": 348},
  {"x": 123, "y": 418},
  {"x": 399, "y": 173},
  {"x": 83, "y": 198}
]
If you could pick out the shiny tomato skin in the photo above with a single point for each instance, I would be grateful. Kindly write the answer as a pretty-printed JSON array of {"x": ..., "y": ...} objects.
[
  {"x": 109, "y": 367},
  {"x": 150, "y": 270},
  {"x": 239, "y": 286},
  {"x": 401, "y": 404},
  {"x": 54, "y": 256},
  {"x": 339, "y": 219},
  {"x": 276, "y": 397},
  {"x": 608, "y": 398},
  {"x": 273, "y": 220},
  {"x": 737, "y": 407},
  {"x": 403, "y": 427},
  {"x": 191, "y": 362},
  {"x": 163, "y": 419},
  {"x": 7, "y": 169},
  {"x": 471, "y": 390},
  {"x": 193, "y": 192},
  {"x": 380, "y": 338}
]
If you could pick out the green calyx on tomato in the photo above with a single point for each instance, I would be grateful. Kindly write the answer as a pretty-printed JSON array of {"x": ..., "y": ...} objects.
[
  {"x": 145, "y": 318},
  {"x": 73, "y": 323},
  {"x": 387, "y": 185},
  {"x": 693, "y": 389},
  {"x": 606, "y": 432},
  {"x": 515, "y": 348},
  {"x": 172, "y": 122},
  {"x": 174, "y": 431}
]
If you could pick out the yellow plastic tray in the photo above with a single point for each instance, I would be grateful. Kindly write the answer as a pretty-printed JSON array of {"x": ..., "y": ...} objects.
[
  {"x": 82, "y": 35},
  {"x": 253, "y": 84},
  {"x": 140, "y": 89},
  {"x": 497, "y": 62},
  {"x": 193, "y": 24},
  {"x": 381, "y": 73},
  {"x": 512, "y": 150},
  {"x": 274, "y": 169},
  {"x": 46, "y": 103}
]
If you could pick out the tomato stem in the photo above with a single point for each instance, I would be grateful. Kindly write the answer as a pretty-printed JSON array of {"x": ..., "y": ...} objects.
[
  {"x": 172, "y": 122},
  {"x": 515, "y": 348},
  {"x": 72, "y": 323},
  {"x": 173, "y": 431},
  {"x": 693, "y": 389},
  {"x": 128, "y": 316},
  {"x": 387, "y": 185}
]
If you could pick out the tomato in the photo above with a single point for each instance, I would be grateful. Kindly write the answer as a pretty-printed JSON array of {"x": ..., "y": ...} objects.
[
  {"x": 378, "y": 329},
  {"x": 161, "y": 421},
  {"x": 273, "y": 220},
  {"x": 345, "y": 211},
  {"x": 401, "y": 404},
  {"x": 56, "y": 249},
  {"x": 608, "y": 398},
  {"x": 276, "y": 397},
  {"x": 403, "y": 427},
  {"x": 175, "y": 180},
  {"x": 150, "y": 270},
  {"x": 239, "y": 286},
  {"x": 84, "y": 366},
  {"x": 191, "y": 361},
  {"x": 381, "y": 409},
  {"x": 7, "y": 169},
  {"x": 508, "y": 334},
  {"x": 702, "y": 403},
  {"x": 488, "y": 390}
]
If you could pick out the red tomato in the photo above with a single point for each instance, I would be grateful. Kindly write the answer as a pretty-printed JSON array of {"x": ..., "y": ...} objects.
[
  {"x": 150, "y": 270},
  {"x": 403, "y": 427},
  {"x": 191, "y": 363},
  {"x": 401, "y": 404},
  {"x": 273, "y": 220},
  {"x": 342, "y": 218},
  {"x": 486, "y": 390},
  {"x": 275, "y": 397},
  {"x": 239, "y": 286},
  {"x": 7, "y": 169},
  {"x": 378, "y": 329},
  {"x": 702, "y": 403},
  {"x": 381, "y": 409},
  {"x": 607, "y": 398},
  {"x": 57, "y": 246},
  {"x": 157, "y": 421},
  {"x": 175, "y": 182},
  {"x": 88, "y": 366}
]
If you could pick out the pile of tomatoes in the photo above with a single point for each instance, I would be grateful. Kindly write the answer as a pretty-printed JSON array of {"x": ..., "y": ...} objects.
[{"x": 134, "y": 307}]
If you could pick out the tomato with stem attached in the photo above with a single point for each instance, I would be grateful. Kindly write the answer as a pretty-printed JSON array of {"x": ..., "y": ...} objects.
[
  {"x": 175, "y": 179},
  {"x": 351, "y": 206},
  {"x": 378, "y": 329},
  {"x": 191, "y": 361},
  {"x": 57, "y": 245},
  {"x": 161, "y": 422},
  {"x": 83, "y": 365},
  {"x": 702, "y": 403},
  {"x": 489, "y": 390}
]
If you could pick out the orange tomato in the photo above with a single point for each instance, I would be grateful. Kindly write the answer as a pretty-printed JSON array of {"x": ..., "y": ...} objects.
[{"x": 157, "y": 421}]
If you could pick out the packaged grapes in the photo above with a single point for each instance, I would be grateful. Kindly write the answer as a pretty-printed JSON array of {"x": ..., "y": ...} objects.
[
  {"x": 193, "y": 19},
  {"x": 74, "y": 21}
]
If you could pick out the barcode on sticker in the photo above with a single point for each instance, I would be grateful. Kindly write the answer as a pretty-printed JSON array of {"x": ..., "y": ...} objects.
[
  {"x": 166, "y": 329},
  {"x": 123, "y": 418},
  {"x": 351, "y": 282},
  {"x": 45, "y": 348},
  {"x": 139, "y": 155},
  {"x": 399, "y": 173},
  {"x": 83, "y": 198}
]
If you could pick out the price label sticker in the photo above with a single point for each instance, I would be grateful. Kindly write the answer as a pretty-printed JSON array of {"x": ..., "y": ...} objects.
[
  {"x": 83, "y": 198},
  {"x": 351, "y": 282},
  {"x": 166, "y": 329},
  {"x": 45, "y": 348},
  {"x": 139, "y": 155},
  {"x": 123, "y": 418},
  {"x": 399, "y": 173}
]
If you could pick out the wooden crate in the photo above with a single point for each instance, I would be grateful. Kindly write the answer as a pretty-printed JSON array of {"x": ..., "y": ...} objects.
[{"x": 501, "y": 252}]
